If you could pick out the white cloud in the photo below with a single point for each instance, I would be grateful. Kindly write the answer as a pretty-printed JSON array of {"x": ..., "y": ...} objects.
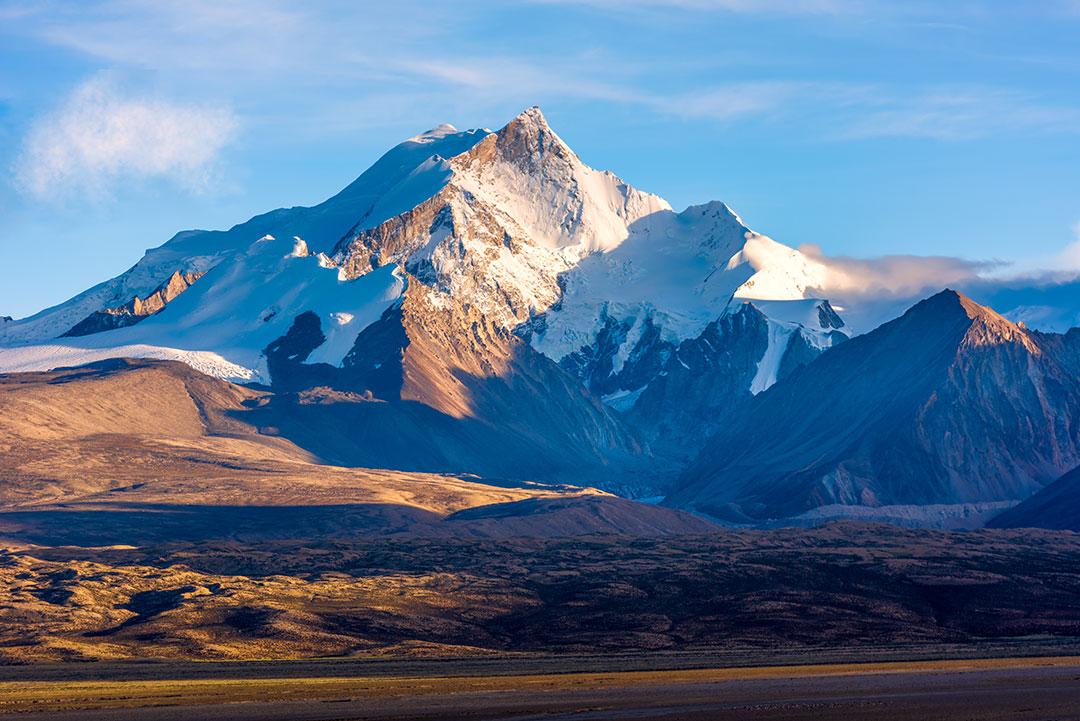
[
  {"x": 894, "y": 275},
  {"x": 870, "y": 291},
  {"x": 1069, "y": 257},
  {"x": 99, "y": 137},
  {"x": 961, "y": 114},
  {"x": 771, "y": 7}
]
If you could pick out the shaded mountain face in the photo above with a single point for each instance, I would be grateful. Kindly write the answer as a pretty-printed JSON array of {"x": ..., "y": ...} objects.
[
  {"x": 704, "y": 381},
  {"x": 949, "y": 404},
  {"x": 1056, "y": 507},
  {"x": 128, "y": 452},
  {"x": 434, "y": 386}
]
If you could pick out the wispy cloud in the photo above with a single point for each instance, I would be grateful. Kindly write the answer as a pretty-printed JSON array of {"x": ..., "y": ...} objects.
[
  {"x": 410, "y": 58},
  {"x": 762, "y": 7},
  {"x": 1069, "y": 257},
  {"x": 193, "y": 35},
  {"x": 870, "y": 291},
  {"x": 775, "y": 98},
  {"x": 724, "y": 103},
  {"x": 894, "y": 275},
  {"x": 99, "y": 137},
  {"x": 961, "y": 114}
]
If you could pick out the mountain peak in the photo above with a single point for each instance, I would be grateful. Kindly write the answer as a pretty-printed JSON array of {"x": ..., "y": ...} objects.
[
  {"x": 528, "y": 135},
  {"x": 949, "y": 303},
  {"x": 949, "y": 299},
  {"x": 532, "y": 115},
  {"x": 984, "y": 325}
]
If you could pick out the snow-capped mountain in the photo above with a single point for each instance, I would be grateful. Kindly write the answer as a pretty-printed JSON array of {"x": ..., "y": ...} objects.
[
  {"x": 484, "y": 302},
  {"x": 603, "y": 278},
  {"x": 265, "y": 272}
]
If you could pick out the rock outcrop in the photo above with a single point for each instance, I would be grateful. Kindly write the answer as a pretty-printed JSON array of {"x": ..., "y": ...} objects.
[{"x": 136, "y": 309}]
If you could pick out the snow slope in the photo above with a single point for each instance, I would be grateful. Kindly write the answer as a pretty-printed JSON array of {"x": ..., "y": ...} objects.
[
  {"x": 511, "y": 223},
  {"x": 678, "y": 273},
  {"x": 397, "y": 181},
  {"x": 224, "y": 321}
]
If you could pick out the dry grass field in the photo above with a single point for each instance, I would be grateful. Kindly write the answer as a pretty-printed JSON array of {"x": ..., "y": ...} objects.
[{"x": 1033, "y": 688}]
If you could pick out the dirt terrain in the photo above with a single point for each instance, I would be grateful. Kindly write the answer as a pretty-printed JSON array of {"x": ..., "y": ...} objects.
[
  {"x": 235, "y": 599},
  {"x": 127, "y": 452},
  {"x": 1013, "y": 689}
]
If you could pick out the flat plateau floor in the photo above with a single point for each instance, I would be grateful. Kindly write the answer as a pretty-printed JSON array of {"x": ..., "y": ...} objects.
[{"x": 1044, "y": 689}]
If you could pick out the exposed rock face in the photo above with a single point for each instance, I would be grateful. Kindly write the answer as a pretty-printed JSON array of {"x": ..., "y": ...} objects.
[
  {"x": 137, "y": 308},
  {"x": 436, "y": 386},
  {"x": 949, "y": 404},
  {"x": 515, "y": 213},
  {"x": 286, "y": 356},
  {"x": 677, "y": 393},
  {"x": 602, "y": 365},
  {"x": 702, "y": 383}
]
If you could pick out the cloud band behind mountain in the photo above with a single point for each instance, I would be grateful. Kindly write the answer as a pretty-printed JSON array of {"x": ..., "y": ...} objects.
[{"x": 895, "y": 275}]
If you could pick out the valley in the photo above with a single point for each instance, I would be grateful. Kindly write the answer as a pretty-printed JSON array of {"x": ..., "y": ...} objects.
[
  {"x": 1018, "y": 688},
  {"x": 741, "y": 381},
  {"x": 492, "y": 432}
]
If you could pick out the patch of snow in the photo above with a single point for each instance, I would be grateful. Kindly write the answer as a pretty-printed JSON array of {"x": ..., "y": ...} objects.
[
  {"x": 781, "y": 273},
  {"x": 300, "y": 249},
  {"x": 49, "y": 357},
  {"x": 342, "y": 318},
  {"x": 651, "y": 500},
  {"x": 225, "y": 320},
  {"x": 621, "y": 400},
  {"x": 768, "y": 368},
  {"x": 633, "y": 336}
]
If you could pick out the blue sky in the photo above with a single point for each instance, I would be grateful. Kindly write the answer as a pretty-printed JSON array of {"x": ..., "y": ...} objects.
[{"x": 865, "y": 127}]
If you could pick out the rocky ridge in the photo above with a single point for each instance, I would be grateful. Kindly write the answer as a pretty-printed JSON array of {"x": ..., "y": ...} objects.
[{"x": 949, "y": 404}]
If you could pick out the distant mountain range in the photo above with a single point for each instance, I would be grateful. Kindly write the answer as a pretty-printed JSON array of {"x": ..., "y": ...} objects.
[
  {"x": 484, "y": 303},
  {"x": 948, "y": 405}
]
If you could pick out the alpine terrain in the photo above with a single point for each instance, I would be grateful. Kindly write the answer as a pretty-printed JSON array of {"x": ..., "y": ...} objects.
[
  {"x": 479, "y": 301},
  {"x": 484, "y": 304},
  {"x": 948, "y": 410},
  {"x": 490, "y": 402}
]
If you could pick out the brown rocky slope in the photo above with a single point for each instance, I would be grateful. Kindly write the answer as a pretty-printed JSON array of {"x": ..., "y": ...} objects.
[{"x": 128, "y": 451}]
